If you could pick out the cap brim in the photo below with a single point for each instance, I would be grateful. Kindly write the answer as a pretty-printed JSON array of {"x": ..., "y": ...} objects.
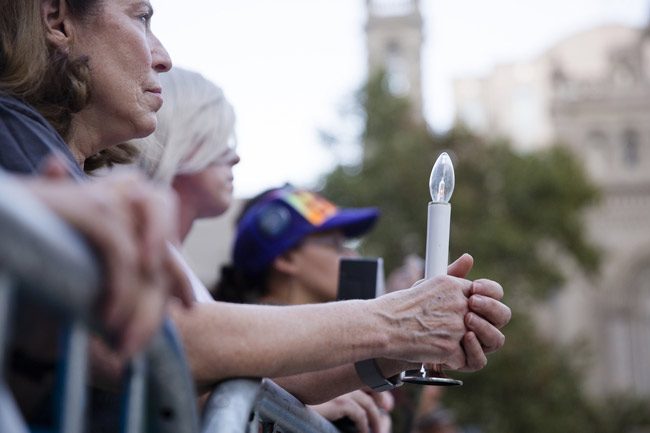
[{"x": 352, "y": 222}]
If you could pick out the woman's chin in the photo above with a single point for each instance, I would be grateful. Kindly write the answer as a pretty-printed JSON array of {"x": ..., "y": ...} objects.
[{"x": 147, "y": 127}]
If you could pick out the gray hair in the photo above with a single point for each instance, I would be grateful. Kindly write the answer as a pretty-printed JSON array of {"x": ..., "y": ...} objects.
[{"x": 195, "y": 127}]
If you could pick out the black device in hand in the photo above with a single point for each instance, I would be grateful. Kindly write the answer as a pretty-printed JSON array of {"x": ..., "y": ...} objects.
[{"x": 360, "y": 278}]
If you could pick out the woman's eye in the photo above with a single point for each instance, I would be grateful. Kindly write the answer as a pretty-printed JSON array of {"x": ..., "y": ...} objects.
[{"x": 146, "y": 18}]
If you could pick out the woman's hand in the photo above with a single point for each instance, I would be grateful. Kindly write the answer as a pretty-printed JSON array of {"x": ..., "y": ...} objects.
[
  {"x": 369, "y": 411},
  {"x": 129, "y": 222},
  {"x": 486, "y": 316},
  {"x": 446, "y": 320}
]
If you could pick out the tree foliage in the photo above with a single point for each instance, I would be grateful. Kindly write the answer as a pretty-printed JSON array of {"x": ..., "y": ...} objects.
[
  {"x": 505, "y": 209},
  {"x": 516, "y": 214}
]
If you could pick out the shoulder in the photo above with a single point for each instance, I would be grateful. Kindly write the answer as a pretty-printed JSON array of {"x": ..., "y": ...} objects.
[
  {"x": 27, "y": 138},
  {"x": 13, "y": 109},
  {"x": 201, "y": 293}
]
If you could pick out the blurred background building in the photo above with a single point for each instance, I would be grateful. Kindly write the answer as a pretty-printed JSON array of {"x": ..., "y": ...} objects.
[
  {"x": 590, "y": 92},
  {"x": 394, "y": 41}
]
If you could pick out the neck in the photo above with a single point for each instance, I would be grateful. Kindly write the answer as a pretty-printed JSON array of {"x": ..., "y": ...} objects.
[
  {"x": 187, "y": 215},
  {"x": 285, "y": 290},
  {"x": 83, "y": 141}
]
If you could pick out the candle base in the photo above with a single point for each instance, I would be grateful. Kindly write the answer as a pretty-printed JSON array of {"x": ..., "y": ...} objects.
[{"x": 421, "y": 377}]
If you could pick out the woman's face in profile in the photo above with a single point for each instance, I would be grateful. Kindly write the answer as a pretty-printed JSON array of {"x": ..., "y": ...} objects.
[
  {"x": 125, "y": 59},
  {"x": 212, "y": 187}
]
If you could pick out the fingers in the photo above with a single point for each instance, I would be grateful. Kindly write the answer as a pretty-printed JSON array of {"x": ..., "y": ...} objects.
[
  {"x": 344, "y": 406},
  {"x": 384, "y": 400},
  {"x": 150, "y": 226},
  {"x": 493, "y": 311},
  {"x": 490, "y": 337},
  {"x": 487, "y": 314},
  {"x": 129, "y": 222},
  {"x": 146, "y": 319},
  {"x": 488, "y": 288},
  {"x": 461, "y": 267},
  {"x": 54, "y": 167},
  {"x": 373, "y": 412},
  {"x": 366, "y": 410},
  {"x": 475, "y": 358}
]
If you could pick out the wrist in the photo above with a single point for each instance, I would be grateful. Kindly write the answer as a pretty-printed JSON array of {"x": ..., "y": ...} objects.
[
  {"x": 391, "y": 367},
  {"x": 374, "y": 332},
  {"x": 374, "y": 378}
]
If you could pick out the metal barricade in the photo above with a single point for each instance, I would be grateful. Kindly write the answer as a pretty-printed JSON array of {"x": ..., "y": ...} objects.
[
  {"x": 247, "y": 406},
  {"x": 51, "y": 264}
]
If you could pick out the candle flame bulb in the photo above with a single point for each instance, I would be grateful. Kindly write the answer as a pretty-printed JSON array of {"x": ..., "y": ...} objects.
[{"x": 441, "y": 182}]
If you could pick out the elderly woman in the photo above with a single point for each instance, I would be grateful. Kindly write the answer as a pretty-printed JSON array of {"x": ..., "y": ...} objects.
[
  {"x": 451, "y": 316},
  {"x": 78, "y": 77}
]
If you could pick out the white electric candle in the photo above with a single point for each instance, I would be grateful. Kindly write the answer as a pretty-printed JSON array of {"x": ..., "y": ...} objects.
[{"x": 441, "y": 185}]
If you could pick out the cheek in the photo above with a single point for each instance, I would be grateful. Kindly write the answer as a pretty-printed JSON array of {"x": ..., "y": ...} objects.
[{"x": 328, "y": 275}]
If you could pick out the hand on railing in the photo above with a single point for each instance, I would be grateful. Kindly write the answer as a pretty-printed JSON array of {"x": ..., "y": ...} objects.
[
  {"x": 129, "y": 222},
  {"x": 43, "y": 258},
  {"x": 244, "y": 405},
  {"x": 366, "y": 411}
]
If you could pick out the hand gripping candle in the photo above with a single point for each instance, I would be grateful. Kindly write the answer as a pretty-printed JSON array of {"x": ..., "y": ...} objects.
[{"x": 441, "y": 185}]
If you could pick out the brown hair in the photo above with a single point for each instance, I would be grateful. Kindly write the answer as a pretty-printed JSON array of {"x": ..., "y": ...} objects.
[{"x": 38, "y": 73}]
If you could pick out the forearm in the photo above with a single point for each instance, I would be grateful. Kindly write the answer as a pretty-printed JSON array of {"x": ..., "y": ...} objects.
[
  {"x": 230, "y": 340},
  {"x": 422, "y": 324},
  {"x": 321, "y": 386}
]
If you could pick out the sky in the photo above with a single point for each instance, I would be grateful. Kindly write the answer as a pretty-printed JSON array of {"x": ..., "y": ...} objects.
[{"x": 289, "y": 67}]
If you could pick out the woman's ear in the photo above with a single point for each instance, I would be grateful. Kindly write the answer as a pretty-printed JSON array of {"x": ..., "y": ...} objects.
[
  {"x": 286, "y": 262},
  {"x": 55, "y": 14}
]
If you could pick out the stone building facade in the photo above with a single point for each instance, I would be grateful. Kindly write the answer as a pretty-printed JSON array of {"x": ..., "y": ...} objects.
[
  {"x": 394, "y": 40},
  {"x": 590, "y": 92}
]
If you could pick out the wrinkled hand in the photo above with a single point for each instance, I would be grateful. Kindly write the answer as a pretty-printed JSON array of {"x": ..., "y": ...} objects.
[
  {"x": 453, "y": 320},
  {"x": 486, "y": 316},
  {"x": 129, "y": 222},
  {"x": 427, "y": 321},
  {"x": 369, "y": 411}
]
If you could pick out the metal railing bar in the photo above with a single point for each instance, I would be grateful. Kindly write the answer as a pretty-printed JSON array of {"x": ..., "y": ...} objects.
[
  {"x": 74, "y": 379},
  {"x": 10, "y": 419},
  {"x": 230, "y": 406},
  {"x": 245, "y": 405},
  {"x": 53, "y": 265},
  {"x": 52, "y": 262},
  {"x": 134, "y": 400},
  {"x": 287, "y": 412},
  {"x": 171, "y": 397}
]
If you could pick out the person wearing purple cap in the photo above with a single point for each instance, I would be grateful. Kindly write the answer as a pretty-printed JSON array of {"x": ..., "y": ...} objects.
[
  {"x": 287, "y": 248},
  {"x": 286, "y": 252}
]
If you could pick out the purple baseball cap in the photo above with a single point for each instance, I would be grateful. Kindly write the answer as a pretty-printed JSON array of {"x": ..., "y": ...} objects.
[{"x": 285, "y": 216}]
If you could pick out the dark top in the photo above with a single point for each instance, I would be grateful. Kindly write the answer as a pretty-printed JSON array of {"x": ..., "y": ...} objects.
[{"x": 26, "y": 139}]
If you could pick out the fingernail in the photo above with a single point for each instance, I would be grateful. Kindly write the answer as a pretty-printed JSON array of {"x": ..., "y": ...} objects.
[{"x": 477, "y": 300}]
